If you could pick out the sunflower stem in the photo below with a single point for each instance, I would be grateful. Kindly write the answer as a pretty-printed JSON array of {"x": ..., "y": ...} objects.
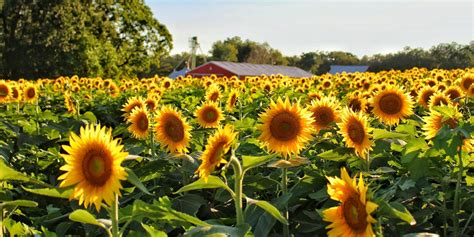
[
  {"x": 284, "y": 189},
  {"x": 238, "y": 178},
  {"x": 114, "y": 217},
  {"x": 456, "y": 193},
  {"x": 1, "y": 222},
  {"x": 152, "y": 139},
  {"x": 37, "y": 118}
]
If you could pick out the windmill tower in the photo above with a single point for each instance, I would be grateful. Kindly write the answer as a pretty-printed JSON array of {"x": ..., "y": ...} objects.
[{"x": 193, "y": 45}]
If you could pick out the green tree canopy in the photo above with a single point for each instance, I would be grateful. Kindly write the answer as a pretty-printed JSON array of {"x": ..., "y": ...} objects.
[{"x": 108, "y": 38}]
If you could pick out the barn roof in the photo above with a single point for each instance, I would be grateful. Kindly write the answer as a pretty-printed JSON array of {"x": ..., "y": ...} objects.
[
  {"x": 250, "y": 69},
  {"x": 348, "y": 69},
  {"x": 176, "y": 74}
]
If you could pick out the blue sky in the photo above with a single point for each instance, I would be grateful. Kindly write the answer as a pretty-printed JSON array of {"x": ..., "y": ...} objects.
[{"x": 296, "y": 26}]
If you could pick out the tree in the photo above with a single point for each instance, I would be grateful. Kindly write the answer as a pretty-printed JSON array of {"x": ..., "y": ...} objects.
[{"x": 88, "y": 38}]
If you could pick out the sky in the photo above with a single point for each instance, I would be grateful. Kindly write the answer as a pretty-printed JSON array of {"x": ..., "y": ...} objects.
[{"x": 297, "y": 26}]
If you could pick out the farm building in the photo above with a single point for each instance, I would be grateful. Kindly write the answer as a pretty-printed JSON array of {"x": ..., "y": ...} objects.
[
  {"x": 347, "y": 69},
  {"x": 242, "y": 70}
]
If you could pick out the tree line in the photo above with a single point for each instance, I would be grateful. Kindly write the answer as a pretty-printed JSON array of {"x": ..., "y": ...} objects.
[{"x": 234, "y": 49}]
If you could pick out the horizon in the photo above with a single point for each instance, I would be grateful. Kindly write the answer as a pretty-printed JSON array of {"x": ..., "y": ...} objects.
[{"x": 364, "y": 23}]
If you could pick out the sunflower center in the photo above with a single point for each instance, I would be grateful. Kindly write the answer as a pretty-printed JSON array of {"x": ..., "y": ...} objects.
[
  {"x": 323, "y": 116},
  {"x": 453, "y": 94},
  {"x": 210, "y": 115},
  {"x": 174, "y": 128},
  {"x": 218, "y": 152},
  {"x": 390, "y": 104},
  {"x": 452, "y": 123},
  {"x": 214, "y": 96},
  {"x": 355, "y": 214},
  {"x": 142, "y": 122},
  {"x": 327, "y": 84},
  {"x": 97, "y": 167},
  {"x": 3, "y": 91},
  {"x": 356, "y": 132},
  {"x": 440, "y": 100},
  {"x": 355, "y": 105},
  {"x": 233, "y": 99},
  {"x": 467, "y": 83},
  {"x": 427, "y": 95},
  {"x": 15, "y": 93},
  {"x": 284, "y": 126},
  {"x": 31, "y": 93}
]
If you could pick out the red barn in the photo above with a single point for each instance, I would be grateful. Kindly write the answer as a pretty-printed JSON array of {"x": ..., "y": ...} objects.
[{"x": 242, "y": 70}]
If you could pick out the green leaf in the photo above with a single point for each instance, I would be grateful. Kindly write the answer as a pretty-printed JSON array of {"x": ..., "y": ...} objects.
[
  {"x": 162, "y": 211},
  {"x": 89, "y": 116},
  {"x": 212, "y": 182},
  {"x": 85, "y": 217},
  {"x": 384, "y": 134},
  {"x": 337, "y": 154},
  {"x": 153, "y": 232},
  {"x": 219, "y": 230},
  {"x": 250, "y": 162},
  {"x": 470, "y": 180},
  {"x": 51, "y": 192},
  {"x": 133, "y": 179},
  {"x": 272, "y": 210},
  {"x": 397, "y": 210},
  {"x": 19, "y": 203},
  {"x": 7, "y": 173}
]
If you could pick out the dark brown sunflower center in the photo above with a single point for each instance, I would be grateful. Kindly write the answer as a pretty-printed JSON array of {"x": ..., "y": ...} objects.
[
  {"x": 150, "y": 104},
  {"x": 355, "y": 214},
  {"x": 31, "y": 93},
  {"x": 390, "y": 104},
  {"x": 467, "y": 83},
  {"x": 233, "y": 100},
  {"x": 284, "y": 126},
  {"x": 15, "y": 93},
  {"x": 426, "y": 96},
  {"x": 323, "y": 116},
  {"x": 214, "y": 96},
  {"x": 355, "y": 105},
  {"x": 142, "y": 122},
  {"x": 217, "y": 152},
  {"x": 97, "y": 167},
  {"x": 440, "y": 100},
  {"x": 3, "y": 91},
  {"x": 267, "y": 88},
  {"x": 327, "y": 84},
  {"x": 453, "y": 94},
  {"x": 356, "y": 132},
  {"x": 174, "y": 128},
  {"x": 452, "y": 123},
  {"x": 210, "y": 115},
  {"x": 167, "y": 84}
]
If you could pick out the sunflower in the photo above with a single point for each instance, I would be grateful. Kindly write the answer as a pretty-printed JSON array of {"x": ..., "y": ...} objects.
[
  {"x": 355, "y": 131},
  {"x": 139, "y": 123},
  {"x": 217, "y": 146},
  {"x": 435, "y": 121},
  {"x": 352, "y": 217},
  {"x": 172, "y": 130},
  {"x": 213, "y": 93},
  {"x": 325, "y": 112},
  {"x": 286, "y": 128},
  {"x": 439, "y": 98},
  {"x": 391, "y": 105},
  {"x": 132, "y": 103},
  {"x": 356, "y": 103},
  {"x": 69, "y": 103},
  {"x": 424, "y": 96},
  {"x": 232, "y": 100},
  {"x": 453, "y": 92},
  {"x": 5, "y": 91},
  {"x": 16, "y": 94},
  {"x": 30, "y": 93},
  {"x": 466, "y": 82},
  {"x": 152, "y": 102},
  {"x": 209, "y": 115},
  {"x": 93, "y": 166}
]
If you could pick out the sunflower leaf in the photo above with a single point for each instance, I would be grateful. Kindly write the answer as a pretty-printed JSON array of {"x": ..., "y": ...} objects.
[
  {"x": 133, "y": 179},
  {"x": 384, "y": 134},
  {"x": 51, "y": 192},
  {"x": 397, "y": 210},
  {"x": 272, "y": 210},
  {"x": 219, "y": 230},
  {"x": 83, "y": 216},
  {"x": 212, "y": 182},
  {"x": 19, "y": 203},
  {"x": 250, "y": 162}
]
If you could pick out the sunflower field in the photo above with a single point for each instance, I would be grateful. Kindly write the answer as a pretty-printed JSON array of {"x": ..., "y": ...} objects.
[{"x": 362, "y": 154}]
